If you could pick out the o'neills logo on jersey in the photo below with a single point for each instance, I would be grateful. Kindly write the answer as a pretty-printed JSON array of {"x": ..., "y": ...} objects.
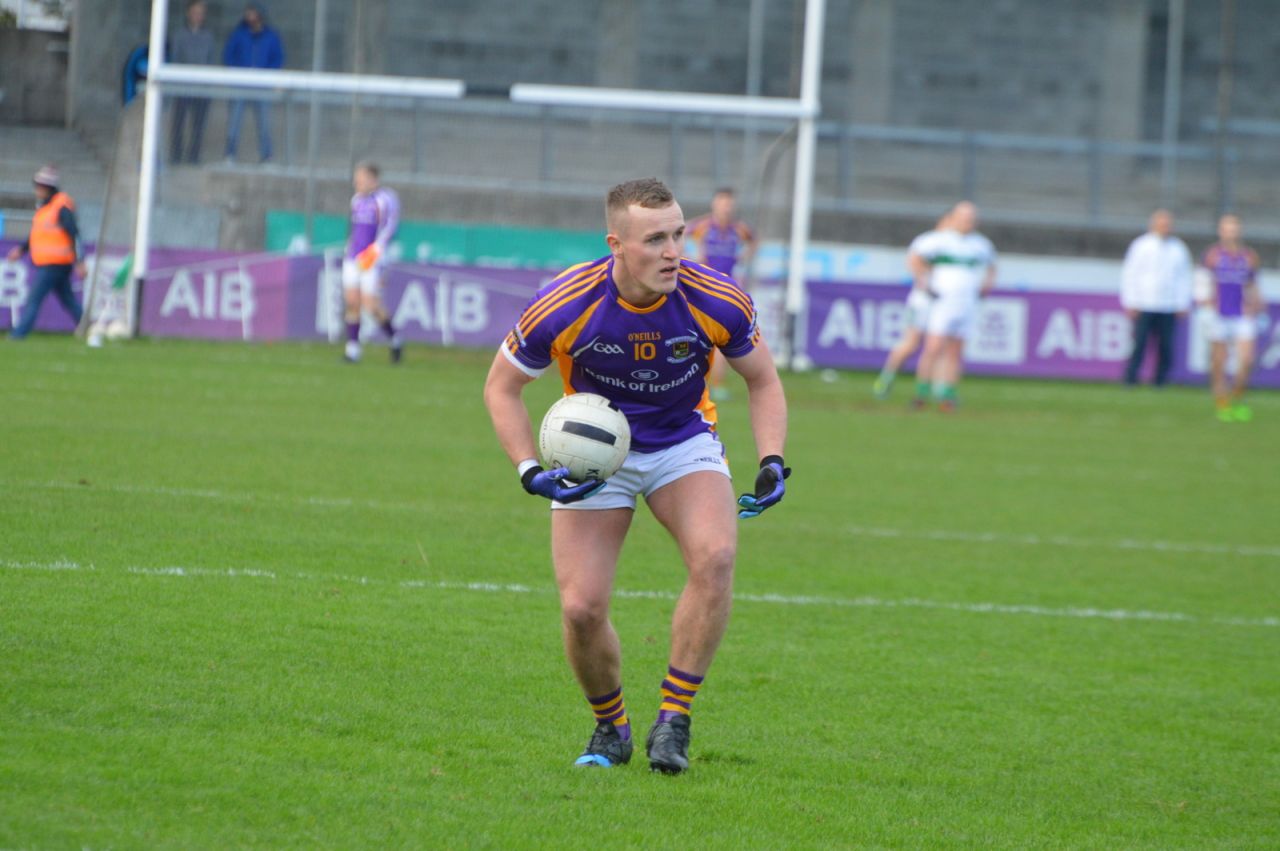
[{"x": 681, "y": 349}]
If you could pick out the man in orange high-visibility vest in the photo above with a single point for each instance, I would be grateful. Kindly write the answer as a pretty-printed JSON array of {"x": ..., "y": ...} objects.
[{"x": 54, "y": 247}]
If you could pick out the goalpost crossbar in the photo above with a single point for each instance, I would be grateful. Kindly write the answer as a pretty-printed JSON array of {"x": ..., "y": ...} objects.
[{"x": 803, "y": 109}]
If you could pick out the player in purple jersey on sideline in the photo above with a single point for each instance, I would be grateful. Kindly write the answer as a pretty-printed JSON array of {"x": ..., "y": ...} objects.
[
  {"x": 375, "y": 215},
  {"x": 724, "y": 242},
  {"x": 641, "y": 326},
  {"x": 1236, "y": 301}
]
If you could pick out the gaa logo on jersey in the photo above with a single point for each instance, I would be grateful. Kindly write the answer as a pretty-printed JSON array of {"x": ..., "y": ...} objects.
[{"x": 681, "y": 349}]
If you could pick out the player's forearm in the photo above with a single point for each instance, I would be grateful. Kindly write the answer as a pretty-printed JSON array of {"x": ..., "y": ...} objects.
[
  {"x": 510, "y": 421},
  {"x": 919, "y": 272},
  {"x": 767, "y": 403},
  {"x": 989, "y": 282},
  {"x": 383, "y": 237},
  {"x": 1253, "y": 301}
]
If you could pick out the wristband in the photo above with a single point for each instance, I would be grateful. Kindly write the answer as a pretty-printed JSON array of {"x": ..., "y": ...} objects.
[{"x": 524, "y": 466}]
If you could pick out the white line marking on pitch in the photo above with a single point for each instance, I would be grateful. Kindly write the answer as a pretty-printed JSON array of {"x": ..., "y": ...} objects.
[
  {"x": 1086, "y": 612},
  {"x": 1130, "y": 544},
  {"x": 43, "y": 565},
  {"x": 1063, "y": 541}
]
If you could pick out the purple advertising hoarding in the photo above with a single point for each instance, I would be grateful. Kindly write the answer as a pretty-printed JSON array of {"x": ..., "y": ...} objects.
[
  {"x": 1046, "y": 335},
  {"x": 223, "y": 295},
  {"x": 16, "y": 281},
  {"x": 269, "y": 297}
]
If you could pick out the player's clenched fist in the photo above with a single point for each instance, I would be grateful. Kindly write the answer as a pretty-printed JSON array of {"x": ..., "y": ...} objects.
[{"x": 770, "y": 488}]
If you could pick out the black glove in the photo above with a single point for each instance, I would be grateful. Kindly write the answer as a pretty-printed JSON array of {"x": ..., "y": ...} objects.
[{"x": 770, "y": 488}]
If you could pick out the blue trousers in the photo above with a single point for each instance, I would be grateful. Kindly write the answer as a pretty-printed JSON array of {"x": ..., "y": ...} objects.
[
  {"x": 261, "y": 118},
  {"x": 1148, "y": 324},
  {"x": 48, "y": 278},
  {"x": 197, "y": 109}
]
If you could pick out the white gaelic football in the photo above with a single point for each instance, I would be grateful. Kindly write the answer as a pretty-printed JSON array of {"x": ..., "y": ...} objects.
[{"x": 586, "y": 433}]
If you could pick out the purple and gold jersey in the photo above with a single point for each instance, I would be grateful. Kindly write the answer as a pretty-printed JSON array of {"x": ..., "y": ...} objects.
[
  {"x": 720, "y": 246},
  {"x": 1232, "y": 271},
  {"x": 652, "y": 361},
  {"x": 374, "y": 218}
]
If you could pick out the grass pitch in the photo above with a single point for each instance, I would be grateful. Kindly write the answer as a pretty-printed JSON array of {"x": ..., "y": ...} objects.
[{"x": 251, "y": 597}]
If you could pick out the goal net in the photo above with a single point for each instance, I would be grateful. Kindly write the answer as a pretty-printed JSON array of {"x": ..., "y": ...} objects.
[{"x": 498, "y": 186}]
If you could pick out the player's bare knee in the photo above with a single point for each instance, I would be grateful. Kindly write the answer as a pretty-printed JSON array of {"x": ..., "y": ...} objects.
[
  {"x": 712, "y": 567},
  {"x": 584, "y": 616}
]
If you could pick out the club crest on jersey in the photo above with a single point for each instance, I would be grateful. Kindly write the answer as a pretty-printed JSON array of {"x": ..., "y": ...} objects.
[{"x": 681, "y": 349}]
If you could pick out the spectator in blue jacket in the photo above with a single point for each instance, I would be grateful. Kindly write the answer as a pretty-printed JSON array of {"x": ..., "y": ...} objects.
[{"x": 252, "y": 44}]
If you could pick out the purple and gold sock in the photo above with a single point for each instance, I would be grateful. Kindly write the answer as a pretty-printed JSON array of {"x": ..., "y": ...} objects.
[
  {"x": 678, "y": 691},
  {"x": 610, "y": 707},
  {"x": 353, "y": 332}
]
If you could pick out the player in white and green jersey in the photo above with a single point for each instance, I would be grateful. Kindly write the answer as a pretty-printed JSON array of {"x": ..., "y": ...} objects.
[
  {"x": 919, "y": 302},
  {"x": 962, "y": 269}
]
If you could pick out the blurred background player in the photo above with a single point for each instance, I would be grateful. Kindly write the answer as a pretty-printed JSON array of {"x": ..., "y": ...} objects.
[
  {"x": 919, "y": 300},
  {"x": 1155, "y": 289},
  {"x": 1236, "y": 300},
  {"x": 375, "y": 214},
  {"x": 640, "y": 327},
  {"x": 54, "y": 244},
  {"x": 725, "y": 243},
  {"x": 960, "y": 265}
]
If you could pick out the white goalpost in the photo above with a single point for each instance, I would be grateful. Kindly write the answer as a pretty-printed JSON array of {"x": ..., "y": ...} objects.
[{"x": 803, "y": 109}]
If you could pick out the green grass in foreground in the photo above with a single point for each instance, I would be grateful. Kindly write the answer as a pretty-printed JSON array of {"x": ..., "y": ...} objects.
[{"x": 235, "y": 611}]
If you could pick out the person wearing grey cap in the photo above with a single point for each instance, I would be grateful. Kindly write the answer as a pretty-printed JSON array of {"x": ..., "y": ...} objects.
[{"x": 54, "y": 248}]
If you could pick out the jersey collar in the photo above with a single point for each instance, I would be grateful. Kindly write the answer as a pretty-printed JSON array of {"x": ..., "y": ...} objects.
[{"x": 616, "y": 295}]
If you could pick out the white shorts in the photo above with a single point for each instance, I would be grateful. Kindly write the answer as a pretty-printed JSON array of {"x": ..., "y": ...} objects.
[
  {"x": 919, "y": 304},
  {"x": 952, "y": 316},
  {"x": 1224, "y": 329},
  {"x": 645, "y": 472},
  {"x": 369, "y": 281}
]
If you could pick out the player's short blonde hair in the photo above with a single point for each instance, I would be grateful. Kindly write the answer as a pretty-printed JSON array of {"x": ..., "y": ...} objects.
[{"x": 643, "y": 192}]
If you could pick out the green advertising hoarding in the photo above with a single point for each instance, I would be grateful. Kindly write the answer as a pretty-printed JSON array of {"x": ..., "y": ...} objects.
[{"x": 448, "y": 242}]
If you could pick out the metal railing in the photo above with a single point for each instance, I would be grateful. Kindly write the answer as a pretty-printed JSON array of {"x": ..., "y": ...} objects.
[{"x": 1075, "y": 182}]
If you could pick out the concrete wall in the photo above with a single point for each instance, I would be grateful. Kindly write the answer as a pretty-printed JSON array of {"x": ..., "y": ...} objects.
[
  {"x": 1089, "y": 68},
  {"x": 33, "y": 77}
]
